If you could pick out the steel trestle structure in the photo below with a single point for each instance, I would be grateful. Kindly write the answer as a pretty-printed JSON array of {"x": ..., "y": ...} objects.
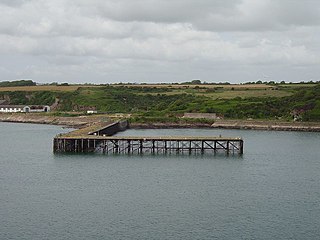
[{"x": 151, "y": 145}]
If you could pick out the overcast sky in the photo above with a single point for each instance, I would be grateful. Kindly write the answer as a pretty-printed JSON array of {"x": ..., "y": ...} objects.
[{"x": 105, "y": 41}]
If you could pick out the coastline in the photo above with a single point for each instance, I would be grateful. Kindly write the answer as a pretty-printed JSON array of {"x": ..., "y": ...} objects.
[
  {"x": 88, "y": 120},
  {"x": 72, "y": 122},
  {"x": 237, "y": 124},
  {"x": 268, "y": 125}
]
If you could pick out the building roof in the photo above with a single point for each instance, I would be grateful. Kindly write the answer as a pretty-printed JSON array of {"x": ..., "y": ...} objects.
[{"x": 36, "y": 106}]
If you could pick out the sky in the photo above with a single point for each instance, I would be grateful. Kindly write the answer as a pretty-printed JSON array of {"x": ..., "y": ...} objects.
[{"x": 150, "y": 41}]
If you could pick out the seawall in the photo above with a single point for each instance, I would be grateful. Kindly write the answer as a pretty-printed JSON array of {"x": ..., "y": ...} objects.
[
  {"x": 75, "y": 122},
  {"x": 268, "y": 125},
  {"x": 110, "y": 129},
  {"x": 238, "y": 124},
  {"x": 87, "y": 120}
]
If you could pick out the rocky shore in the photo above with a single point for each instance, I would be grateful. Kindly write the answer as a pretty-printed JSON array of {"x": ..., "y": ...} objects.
[{"x": 87, "y": 120}]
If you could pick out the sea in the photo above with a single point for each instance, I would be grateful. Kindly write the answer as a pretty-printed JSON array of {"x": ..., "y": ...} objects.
[{"x": 271, "y": 192}]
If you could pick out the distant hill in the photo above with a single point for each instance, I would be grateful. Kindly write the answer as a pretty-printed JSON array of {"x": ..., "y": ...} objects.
[{"x": 17, "y": 83}]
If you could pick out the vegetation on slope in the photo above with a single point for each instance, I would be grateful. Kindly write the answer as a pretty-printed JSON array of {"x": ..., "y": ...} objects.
[
  {"x": 256, "y": 101},
  {"x": 32, "y": 98}
]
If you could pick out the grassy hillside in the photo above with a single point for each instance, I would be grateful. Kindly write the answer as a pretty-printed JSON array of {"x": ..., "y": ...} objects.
[{"x": 258, "y": 101}]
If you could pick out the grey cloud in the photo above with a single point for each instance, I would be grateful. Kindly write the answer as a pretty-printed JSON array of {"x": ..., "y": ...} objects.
[
  {"x": 295, "y": 12},
  {"x": 13, "y": 2},
  {"x": 263, "y": 15},
  {"x": 104, "y": 18},
  {"x": 166, "y": 40},
  {"x": 233, "y": 15},
  {"x": 162, "y": 11}
]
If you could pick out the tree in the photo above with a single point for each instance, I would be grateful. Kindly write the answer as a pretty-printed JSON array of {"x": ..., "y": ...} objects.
[{"x": 196, "y": 81}]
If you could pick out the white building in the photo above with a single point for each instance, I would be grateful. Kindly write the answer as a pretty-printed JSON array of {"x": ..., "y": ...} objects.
[
  {"x": 92, "y": 111},
  {"x": 23, "y": 108}
]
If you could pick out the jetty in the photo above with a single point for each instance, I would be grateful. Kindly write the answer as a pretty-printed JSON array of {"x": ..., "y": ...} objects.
[{"x": 100, "y": 139}]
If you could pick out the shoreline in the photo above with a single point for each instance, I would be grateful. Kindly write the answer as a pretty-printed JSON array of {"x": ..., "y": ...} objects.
[
  {"x": 240, "y": 125},
  {"x": 50, "y": 120},
  {"x": 88, "y": 120}
]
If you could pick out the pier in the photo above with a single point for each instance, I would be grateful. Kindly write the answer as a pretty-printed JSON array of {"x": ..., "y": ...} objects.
[
  {"x": 153, "y": 145},
  {"x": 100, "y": 139}
]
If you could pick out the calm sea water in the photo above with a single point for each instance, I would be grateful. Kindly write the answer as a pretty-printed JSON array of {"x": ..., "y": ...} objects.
[{"x": 272, "y": 192}]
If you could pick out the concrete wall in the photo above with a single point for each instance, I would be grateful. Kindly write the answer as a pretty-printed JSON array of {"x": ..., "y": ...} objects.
[
  {"x": 201, "y": 115},
  {"x": 112, "y": 129}
]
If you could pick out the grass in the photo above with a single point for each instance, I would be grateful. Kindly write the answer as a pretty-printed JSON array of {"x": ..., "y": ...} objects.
[
  {"x": 180, "y": 86},
  {"x": 171, "y": 87},
  {"x": 297, "y": 85},
  {"x": 247, "y": 94},
  {"x": 228, "y": 93}
]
